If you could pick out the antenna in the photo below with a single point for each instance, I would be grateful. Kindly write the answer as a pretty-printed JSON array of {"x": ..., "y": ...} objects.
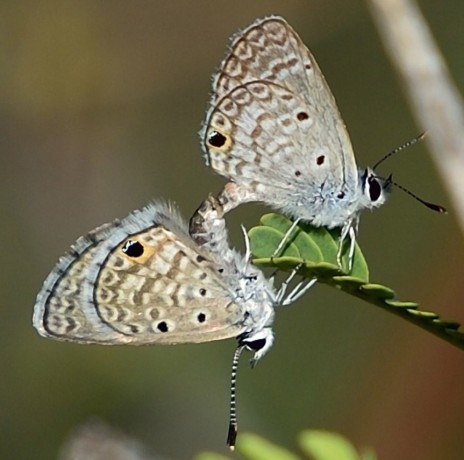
[
  {"x": 232, "y": 433},
  {"x": 432, "y": 206},
  {"x": 401, "y": 147}
]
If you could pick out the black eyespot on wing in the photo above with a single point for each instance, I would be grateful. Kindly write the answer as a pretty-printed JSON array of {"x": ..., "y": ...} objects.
[
  {"x": 375, "y": 189},
  {"x": 216, "y": 139},
  {"x": 297, "y": 173},
  {"x": 202, "y": 292},
  {"x": 301, "y": 116},
  {"x": 132, "y": 248},
  {"x": 201, "y": 317},
  {"x": 341, "y": 195},
  {"x": 162, "y": 326},
  {"x": 320, "y": 160}
]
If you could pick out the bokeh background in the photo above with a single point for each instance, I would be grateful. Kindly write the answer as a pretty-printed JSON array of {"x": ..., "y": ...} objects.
[{"x": 100, "y": 103}]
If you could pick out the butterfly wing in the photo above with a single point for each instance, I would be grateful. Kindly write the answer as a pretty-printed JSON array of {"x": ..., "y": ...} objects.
[
  {"x": 138, "y": 281},
  {"x": 273, "y": 125}
]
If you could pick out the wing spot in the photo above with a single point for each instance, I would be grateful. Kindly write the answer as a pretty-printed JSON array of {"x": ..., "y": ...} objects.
[
  {"x": 201, "y": 317},
  {"x": 301, "y": 116},
  {"x": 118, "y": 262},
  {"x": 202, "y": 292},
  {"x": 297, "y": 173},
  {"x": 320, "y": 159},
  {"x": 162, "y": 326},
  {"x": 341, "y": 195},
  {"x": 133, "y": 248},
  {"x": 216, "y": 139}
]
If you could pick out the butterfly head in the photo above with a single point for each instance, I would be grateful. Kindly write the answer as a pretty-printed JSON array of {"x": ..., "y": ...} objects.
[
  {"x": 375, "y": 189},
  {"x": 258, "y": 342}
]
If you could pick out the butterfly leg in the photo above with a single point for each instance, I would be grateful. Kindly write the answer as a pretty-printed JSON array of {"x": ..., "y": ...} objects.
[
  {"x": 349, "y": 230},
  {"x": 285, "y": 239},
  {"x": 298, "y": 291},
  {"x": 284, "y": 286},
  {"x": 352, "y": 248},
  {"x": 346, "y": 230}
]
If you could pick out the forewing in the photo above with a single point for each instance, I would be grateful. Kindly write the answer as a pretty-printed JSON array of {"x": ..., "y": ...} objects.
[{"x": 271, "y": 104}]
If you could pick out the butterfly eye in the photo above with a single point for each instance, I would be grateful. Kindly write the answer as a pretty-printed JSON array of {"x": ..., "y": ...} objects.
[
  {"x": 375, "y": 190},
  {"x": 132, "y": 248}
]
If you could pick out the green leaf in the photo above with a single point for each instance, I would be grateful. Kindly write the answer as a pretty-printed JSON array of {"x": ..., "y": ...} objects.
[
  {"x": 264, "y": 241},
  {"x": 307, "y": 247},
  {"x": 323, "y": 445},
  {"x": 253, "y": 447},
  {"x": 314, "y": 250},
  {"x": 315, "y": 246},
  {"x": 315, "y": 444},
  {"x": 210, "y": 456}
]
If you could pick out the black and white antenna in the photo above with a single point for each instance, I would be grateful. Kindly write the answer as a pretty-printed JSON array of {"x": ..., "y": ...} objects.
[
  {"x": 432, "y": 206},
  {"x": 232, "y": 434}
]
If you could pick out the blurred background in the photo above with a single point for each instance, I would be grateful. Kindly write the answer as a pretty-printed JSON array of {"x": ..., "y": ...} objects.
[{"x": 100, "y": 107}]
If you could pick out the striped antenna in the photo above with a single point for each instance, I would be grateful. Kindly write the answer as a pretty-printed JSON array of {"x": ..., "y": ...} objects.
[
  {"x": 432, "y": 206},
  {"x": 232, "y": 434},
  {"x": 398, "y": 149}
]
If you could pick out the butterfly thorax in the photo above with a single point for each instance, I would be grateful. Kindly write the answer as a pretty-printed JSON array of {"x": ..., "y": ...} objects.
[{"x": 333, "y": 207}]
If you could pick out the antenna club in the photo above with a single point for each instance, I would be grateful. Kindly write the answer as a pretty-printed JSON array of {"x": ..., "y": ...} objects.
[{"x": 232, "y": 436}]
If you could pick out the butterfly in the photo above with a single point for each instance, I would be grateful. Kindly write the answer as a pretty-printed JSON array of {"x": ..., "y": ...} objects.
[
  {"x": 274, "y": 130},
  {"x": 143, "y": 280}
]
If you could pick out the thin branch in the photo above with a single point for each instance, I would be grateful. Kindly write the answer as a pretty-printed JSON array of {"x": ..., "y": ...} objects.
[{"x": 435, "y": 102}]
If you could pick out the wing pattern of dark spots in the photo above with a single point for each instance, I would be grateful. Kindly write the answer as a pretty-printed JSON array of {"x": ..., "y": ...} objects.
[
  {"x": 162, "y": 326},
  {"x": 216, "y": 139},
  {"x": 133, "y": 248}
]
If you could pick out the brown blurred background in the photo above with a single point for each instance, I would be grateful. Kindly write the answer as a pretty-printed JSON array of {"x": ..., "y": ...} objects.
[{"x": 100, "y": 103}]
